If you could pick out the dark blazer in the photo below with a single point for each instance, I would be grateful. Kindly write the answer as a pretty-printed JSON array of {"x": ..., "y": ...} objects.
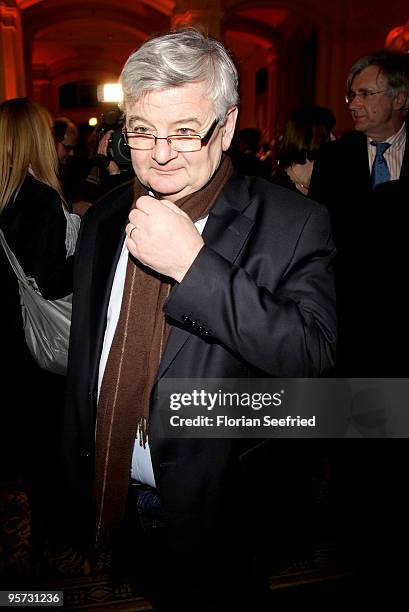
[
  {"x": 341, "y": 181},
  {"x": 369, "y": 232},
  {"x": 257, "y": 301}
]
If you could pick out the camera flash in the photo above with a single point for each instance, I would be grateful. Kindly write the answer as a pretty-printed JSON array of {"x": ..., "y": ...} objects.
[{"x": 110, "y": 92}]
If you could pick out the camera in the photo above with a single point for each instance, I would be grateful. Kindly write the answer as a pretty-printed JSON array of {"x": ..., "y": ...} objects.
[{"x": 117, "y": 149}]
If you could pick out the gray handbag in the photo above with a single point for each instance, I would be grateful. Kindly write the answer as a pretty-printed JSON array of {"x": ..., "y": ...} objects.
[{"x": 46, "y": 322}]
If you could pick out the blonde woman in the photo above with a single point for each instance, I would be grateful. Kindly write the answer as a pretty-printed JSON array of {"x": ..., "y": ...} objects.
[{"x": 41, "y": 233}]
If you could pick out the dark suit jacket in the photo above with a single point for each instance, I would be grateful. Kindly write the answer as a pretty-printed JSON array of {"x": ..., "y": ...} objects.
[
  {"x": 257, "y": 301},
  {"x": 341, "y": 181},
  {"x": 369, "y": 233}
]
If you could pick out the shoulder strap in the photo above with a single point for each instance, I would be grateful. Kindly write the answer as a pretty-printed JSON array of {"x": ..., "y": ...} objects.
[{"x": 18, "y": 270}]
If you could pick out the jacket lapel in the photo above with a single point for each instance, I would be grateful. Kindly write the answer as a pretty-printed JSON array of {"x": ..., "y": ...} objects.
[
  {"x": 107, "y": 249},
  {"x": 360, "y": 175},
  {"x": 226, "y": 232}
]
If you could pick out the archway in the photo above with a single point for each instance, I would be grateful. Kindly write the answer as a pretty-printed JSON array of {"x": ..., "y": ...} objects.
[
  {"x": 275, "y": 47},
  {"x": 72, "y": 41}
]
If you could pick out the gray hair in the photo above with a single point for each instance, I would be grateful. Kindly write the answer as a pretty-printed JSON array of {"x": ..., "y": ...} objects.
[
  {"x": 180, "y": 57},
  {"x": 393, "y": 66}
]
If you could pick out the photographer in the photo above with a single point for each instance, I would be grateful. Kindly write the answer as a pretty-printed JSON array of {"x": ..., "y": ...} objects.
[{"x": 111, "y": 164}]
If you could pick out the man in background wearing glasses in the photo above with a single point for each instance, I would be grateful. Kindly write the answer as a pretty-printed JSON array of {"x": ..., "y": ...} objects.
[
  {"x": 363, "y": 179},
  {"x": 66, "y": 136},
  {"x": 190, "y": 271}
]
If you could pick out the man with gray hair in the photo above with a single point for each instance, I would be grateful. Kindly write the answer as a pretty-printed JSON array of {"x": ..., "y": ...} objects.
[
  {"x": 363, "y": 179},
  {"x": 352, "y": 168},
  {"x": 190, "y": 271}
]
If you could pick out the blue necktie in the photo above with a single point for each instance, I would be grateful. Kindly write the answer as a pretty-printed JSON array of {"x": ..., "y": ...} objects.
[{"x": 380, "y": 171}]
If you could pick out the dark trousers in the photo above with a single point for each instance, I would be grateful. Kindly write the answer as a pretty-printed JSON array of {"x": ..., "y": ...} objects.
[{"x": 201, "y": 582}]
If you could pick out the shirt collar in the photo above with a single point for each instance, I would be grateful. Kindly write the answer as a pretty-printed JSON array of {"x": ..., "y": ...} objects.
[{"x": 397, "y": 140}]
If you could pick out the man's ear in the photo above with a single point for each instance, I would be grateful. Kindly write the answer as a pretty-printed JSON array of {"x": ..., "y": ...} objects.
[
  {"x": 229, "y": 127},
  {"x": 400, "y": 101}
]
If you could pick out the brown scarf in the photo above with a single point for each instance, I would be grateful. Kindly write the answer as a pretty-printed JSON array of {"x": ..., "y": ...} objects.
[{"x": 134, "y": 357}]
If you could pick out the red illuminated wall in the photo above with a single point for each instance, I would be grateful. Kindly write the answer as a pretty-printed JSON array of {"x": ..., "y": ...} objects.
[{"x": 304, "y": 48}]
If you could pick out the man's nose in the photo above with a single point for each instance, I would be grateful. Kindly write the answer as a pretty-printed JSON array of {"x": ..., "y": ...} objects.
[
  {"x": 356, "y": 102},
  {"x": 162, "y": 152}
]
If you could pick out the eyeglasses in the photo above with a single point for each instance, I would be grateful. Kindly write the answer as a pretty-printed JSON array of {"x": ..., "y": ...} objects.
[
  {"x": 362, "y": 94},
  {"x": 179, "y": 143}
]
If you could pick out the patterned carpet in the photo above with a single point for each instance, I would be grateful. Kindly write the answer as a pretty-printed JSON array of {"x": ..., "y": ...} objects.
[{"x": 87, "y": 585}]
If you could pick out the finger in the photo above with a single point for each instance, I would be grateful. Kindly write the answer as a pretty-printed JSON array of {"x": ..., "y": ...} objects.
[
  {"x": 174, "y": 208},
  {"x": 130, "y": 229},
  {"x": 103, "y": 143},
  {"x": 132, "y": 248},
  {"x": 138, "y": 218},
  {"x": 146, "y": 204}
]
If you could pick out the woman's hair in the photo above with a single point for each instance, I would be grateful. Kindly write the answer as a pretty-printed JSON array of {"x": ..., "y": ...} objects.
[
  {"x": 307, "y": 130},
  {"x": 26, "y": 144},
  {"x": 180, "y": 57}
]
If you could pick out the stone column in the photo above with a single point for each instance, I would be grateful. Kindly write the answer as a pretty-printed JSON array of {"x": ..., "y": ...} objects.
[
  {"x": 203, "y": 14},
  {"x": 12, "y": 75}
]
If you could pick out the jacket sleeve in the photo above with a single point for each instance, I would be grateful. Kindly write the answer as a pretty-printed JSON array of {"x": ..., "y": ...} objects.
[{"x": 286, "y": 328}]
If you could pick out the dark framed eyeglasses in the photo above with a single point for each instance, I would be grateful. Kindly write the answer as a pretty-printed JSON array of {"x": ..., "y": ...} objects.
[
  {"x": 177, "y": 142},
  {"x": 362, "y": 94}
]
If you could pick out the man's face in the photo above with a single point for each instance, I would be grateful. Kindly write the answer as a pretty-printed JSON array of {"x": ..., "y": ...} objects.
[
  {"x": 66, "y": 147},
  {"x": 177, "y": 110},
  {"x": 378, "y": 115}
]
